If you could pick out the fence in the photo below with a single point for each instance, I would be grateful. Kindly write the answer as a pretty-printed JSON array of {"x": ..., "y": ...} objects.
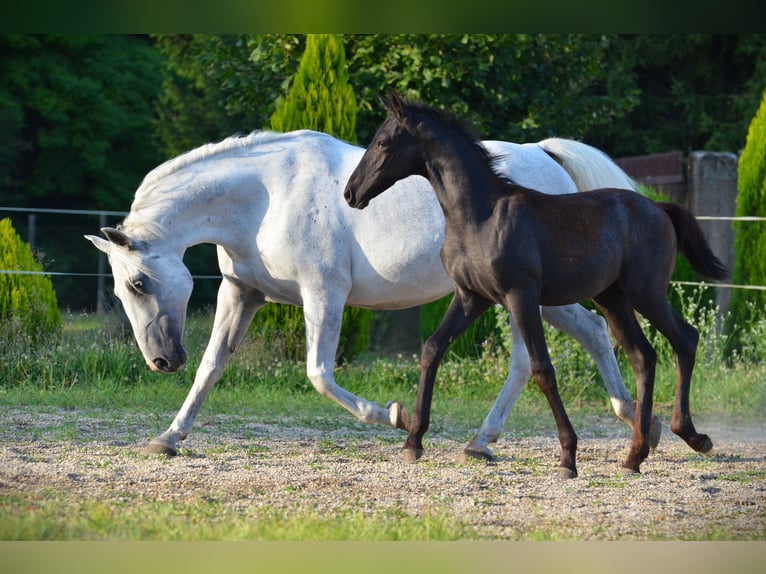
[{"x": 101, "y": 273}]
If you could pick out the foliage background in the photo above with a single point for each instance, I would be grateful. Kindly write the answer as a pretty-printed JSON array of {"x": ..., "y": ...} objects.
[{"x": 84, "y": 117}]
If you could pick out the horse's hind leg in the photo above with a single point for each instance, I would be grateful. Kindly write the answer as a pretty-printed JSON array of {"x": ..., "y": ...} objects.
[
  {"x": 323, "y": 315},
  {"x": 643, "y": 359},
  {"x": 463, "y": 310},
  {"x": 519, "y": 372},
  {"x": 589, "y": 329},
  {"x": 683, "y": 338}
]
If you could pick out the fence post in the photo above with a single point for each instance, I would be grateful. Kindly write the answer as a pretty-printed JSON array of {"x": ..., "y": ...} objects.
[
  {"x": 712, "y": 191},
  {"x": 101, "y": 280}
]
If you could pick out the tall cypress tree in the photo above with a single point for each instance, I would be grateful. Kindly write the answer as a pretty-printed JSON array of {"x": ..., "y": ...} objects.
[
  {"x": 749, "y": 237},
  {"x": 320, "y": 98}
]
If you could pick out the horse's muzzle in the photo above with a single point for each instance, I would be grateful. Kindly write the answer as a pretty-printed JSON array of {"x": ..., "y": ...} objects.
[
  {"x": 168, "y": 364},
  {"x": 351, "y": 199}
]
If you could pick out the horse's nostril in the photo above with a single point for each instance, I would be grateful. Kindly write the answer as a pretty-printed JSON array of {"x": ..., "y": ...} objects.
[
  {"x": 347, "y": 194},
  {"x": 162, "y": 364}
]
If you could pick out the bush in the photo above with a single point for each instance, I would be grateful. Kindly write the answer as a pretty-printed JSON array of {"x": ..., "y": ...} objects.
[
  {"x": 284, "y": 329},
  {"x": 746, "y": 306},
  {"x": 28, "y": 304},
  {"x": 481, "y": 335}
]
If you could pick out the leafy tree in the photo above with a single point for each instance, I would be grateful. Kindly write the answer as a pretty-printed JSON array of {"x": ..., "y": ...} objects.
[
  {"x": 749, "y": 238},
  {"x": 694, "y": 91},
  {"x": 76, "y": 122}
]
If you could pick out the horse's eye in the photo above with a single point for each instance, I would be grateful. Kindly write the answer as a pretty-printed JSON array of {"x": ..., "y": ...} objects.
[
  {"x": 137, "y": 286},
  {"x": 383, "y": 143}
]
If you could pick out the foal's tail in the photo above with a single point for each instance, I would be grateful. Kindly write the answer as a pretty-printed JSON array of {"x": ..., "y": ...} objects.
[{"x": 692, "y": 243}]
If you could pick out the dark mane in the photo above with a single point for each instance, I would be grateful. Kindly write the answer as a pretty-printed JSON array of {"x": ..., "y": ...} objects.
[{"x": 466, "y": 130}]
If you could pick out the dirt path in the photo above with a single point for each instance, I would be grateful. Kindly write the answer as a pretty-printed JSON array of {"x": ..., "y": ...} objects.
[{"x": 680, "y": 495}]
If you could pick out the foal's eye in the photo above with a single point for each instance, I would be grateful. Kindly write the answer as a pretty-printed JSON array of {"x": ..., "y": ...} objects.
[{"x": 382, "y": 144}]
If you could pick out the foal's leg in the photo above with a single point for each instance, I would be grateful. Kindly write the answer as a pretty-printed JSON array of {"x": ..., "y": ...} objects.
[
  {"x": 589, "y": 329},
  {"x": 683, "y": 338},
  {"x": 643, "y": 359},
  {"x": 526, "y": 313},
  {"x": 234, "y": 311},
  {"x": 323, "y": 315},
  {"x": 462, "y": 311}
]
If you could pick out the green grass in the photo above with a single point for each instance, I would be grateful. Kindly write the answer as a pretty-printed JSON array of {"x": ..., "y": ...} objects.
[{"x": 95, "y": 366}]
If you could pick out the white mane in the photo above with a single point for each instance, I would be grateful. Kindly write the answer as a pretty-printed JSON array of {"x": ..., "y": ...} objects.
[{"x": 148, "y": 195}]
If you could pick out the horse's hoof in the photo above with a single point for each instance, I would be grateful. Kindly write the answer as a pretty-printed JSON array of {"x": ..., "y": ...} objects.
[
  {"x": 411, "y": 455},
  {"x": 567, "y": 473},
  {"x": 469, "y": 454},
  {"x": 398, "y": 416},
  {"x": 707, "y": 447},
  {"x": 157, "y": 447},
  {"x": 655, "y": 432},
  {"x": 628, "y": 470}
]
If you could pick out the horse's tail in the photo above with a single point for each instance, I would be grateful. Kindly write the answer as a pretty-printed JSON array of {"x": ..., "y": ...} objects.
[
  {"x": 589, "y": 167},
  {"x": 692, "y": 243}
]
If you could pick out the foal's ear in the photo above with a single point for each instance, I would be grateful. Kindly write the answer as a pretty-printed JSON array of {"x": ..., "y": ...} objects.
[{"x": 394, "y": 104}]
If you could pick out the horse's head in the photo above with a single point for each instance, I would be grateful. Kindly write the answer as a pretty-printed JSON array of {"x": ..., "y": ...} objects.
[
  {"x": 393, "y": 154},
  {"x": 154, "y": 288}
]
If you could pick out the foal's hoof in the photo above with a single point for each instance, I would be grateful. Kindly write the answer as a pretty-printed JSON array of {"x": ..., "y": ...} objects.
[
  {"x": 159, "y": 447},
  {"x": 398, "y": 416},
  {"x": 707, "y": 447},
  {"x": 469, "y": 454},
  {"x": 410, "y": 455},
  {"x": 567, "y": 473},
  {"x": 629, "y": 470}
]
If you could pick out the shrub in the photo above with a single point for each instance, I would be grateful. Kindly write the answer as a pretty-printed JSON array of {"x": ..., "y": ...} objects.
[
  {"x": 28, "y": 304},
  {"x": 746, "y": 306},
  {"x": 481, "y": 335}
]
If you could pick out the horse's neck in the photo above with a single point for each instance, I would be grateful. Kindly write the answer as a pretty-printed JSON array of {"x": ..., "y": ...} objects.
[
  {"x": 218, "y": 210},
  {"x": 461, "y": 181}
]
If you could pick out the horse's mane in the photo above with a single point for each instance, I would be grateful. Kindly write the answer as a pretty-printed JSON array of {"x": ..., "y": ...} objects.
[
  {"x": 146, "y": 194},
  {"x": 464, "y": 129}
]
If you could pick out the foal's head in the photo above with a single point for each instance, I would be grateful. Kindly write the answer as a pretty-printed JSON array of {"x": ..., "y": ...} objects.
[
  {"x": 395, "y": 151},
  {"x": 393, "y": 154}
]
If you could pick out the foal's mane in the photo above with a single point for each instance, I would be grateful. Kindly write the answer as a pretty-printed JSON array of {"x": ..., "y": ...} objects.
[{"x": 465, "y": 130}]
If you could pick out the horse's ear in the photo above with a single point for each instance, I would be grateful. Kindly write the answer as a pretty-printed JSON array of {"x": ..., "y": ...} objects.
[
  {"x": 119, "y": 238},
  {"x": 101, "y": 244}
]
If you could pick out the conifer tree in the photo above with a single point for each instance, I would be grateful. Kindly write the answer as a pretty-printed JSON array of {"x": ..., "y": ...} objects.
[
  {"x": 320, "y": 98},
  {"x": 749, "y": 237}
]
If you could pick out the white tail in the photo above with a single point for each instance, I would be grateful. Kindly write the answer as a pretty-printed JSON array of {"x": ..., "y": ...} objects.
[{"x": 589, "y": 167}]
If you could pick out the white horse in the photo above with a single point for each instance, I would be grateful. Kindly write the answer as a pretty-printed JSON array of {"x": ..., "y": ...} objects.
[{"x": 273, "y": 204}]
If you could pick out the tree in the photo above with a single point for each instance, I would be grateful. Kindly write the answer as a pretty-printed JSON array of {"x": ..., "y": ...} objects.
[
  {"x": 319, "y": 98},
  {"x": 749, "y": 238},
  {"x": 695, "y": 92},
  {"x": 76, "y": 131}
]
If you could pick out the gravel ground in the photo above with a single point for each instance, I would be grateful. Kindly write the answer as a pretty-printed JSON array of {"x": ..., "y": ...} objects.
[{"x": 680, "y": 495}]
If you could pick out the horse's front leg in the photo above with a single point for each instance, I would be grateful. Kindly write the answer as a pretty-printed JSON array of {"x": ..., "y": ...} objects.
[
  {"x": 234, "y": 312},
  {"x": 526, "y": 313},
  {"x": 589, "y": 329},
  {"x": 323, "y": 313},
  {"x": 463, "y": 310}
]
